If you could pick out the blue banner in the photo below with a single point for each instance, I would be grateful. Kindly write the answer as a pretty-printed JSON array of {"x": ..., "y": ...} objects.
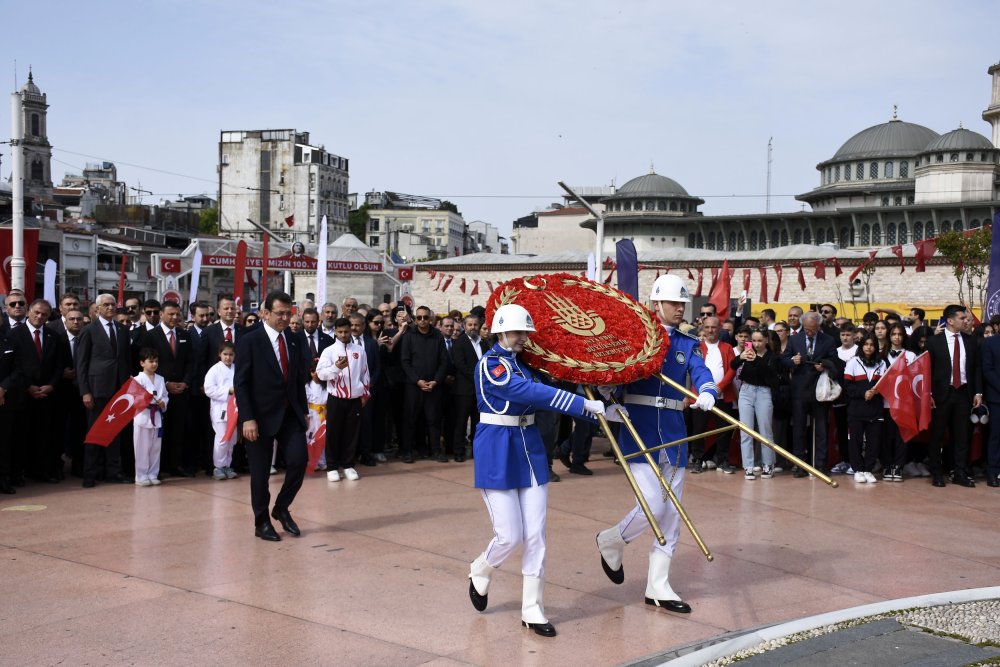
[
  {"x": 992, "y": 308},
  {"x": 628, "y": 268}
]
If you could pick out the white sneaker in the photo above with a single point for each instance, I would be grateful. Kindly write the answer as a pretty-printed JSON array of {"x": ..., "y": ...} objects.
[
  {"x": 756, "y": 468},
  {"x": 870, "y": 477},
  {"x": 840, "y": 468},
  {"x": 860, "y": 478},
  {"x": 143, "y": 482},
  {"x": 154, "y": 481},
  {"x": 710, "y": 465},
  {"x": 778, "y": 469},
  {"x": 911, "y": 470},
  {"x": 767, "y": 472},
  {"x": 748, "y": 475},
  {"x": 333, "y": 476},
  {"x": 924, "y": 472},
  {"x": 219, "y": 474},
  {"x": 850, "y": 471},
  {"x": 351, "y": 474},
  {"x": 274, "y": 471}
]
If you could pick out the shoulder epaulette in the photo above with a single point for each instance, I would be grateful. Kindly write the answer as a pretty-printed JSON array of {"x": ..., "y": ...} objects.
[{"x": 689, "y": 335}]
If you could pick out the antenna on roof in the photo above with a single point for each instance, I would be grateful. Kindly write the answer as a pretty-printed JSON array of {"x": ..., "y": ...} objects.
[
  {"x": 894, "y": 116},
  {"x": 960, "y": 125},
  {"x": 651, "y": 169}
]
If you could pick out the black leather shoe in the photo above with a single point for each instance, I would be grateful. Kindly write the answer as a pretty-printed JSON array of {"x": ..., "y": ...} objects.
[
  {"x": 285, "y": 519},
  {"x": 459, "y": 458},
  {"x": 89, "y": 484},
  {"x": 543, "y": 629},
  {"x": 580, "y": 469},
  {"x": 266, "y": 532},
  {"x": 798, "y": 473},
  {"x": 677, "y": 606},
  {"x": 184, "y": 472},
  {"x": 407, "y": 458},
  {"x": 442, "y": 458},
  {"x": 938, "y": 481},
  {"x": 368, "y": 460},
  {"x": 478, "y": 601},
  {"x": 992, "y": 481},
  {"x": 964, "y": 481},
  {"x": 616, "y": 576},
  {"x": 564, "y": 457},
  {"x": 119, "y": 479}
]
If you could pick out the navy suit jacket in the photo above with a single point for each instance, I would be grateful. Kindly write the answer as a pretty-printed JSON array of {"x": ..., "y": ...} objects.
[
  {"x": 937, "y": 348},
  {"x": 804, "y": 376},
  {"x": 29, "y": 370},
  {"x": 98, "y": 371},
  {"x": 262, "y": 394},
  {"x": 989, "y": 352}
]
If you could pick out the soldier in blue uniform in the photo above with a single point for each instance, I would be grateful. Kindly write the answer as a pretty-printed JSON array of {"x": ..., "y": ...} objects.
[
  {"x": 511, "y": 466},
  {"x": 656, "y": 412}
]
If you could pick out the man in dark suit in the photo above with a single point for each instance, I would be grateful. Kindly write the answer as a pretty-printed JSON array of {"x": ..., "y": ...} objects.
[
  {"x": 808, "y": 354},
  {"x": 15, "y": 308},
  {"x": 178, "y": 366},
  {"x": 103, "y": 362},
  {"x": 271, "y": 372},
  {"x": 316, "y": 340},
  {"x": 227, "y": 329},
  {"x": 8, "y": 389},
  {"x": 39, "y": 362},
  {"x": 67, "y": 302},
  {"x": 69, "y": 395},
  {"x": 955, "y": 389},
  {"x": 466, "y": 352},
  {"x": 989, "y": 352},
  {"x": 200, "y": 424}
]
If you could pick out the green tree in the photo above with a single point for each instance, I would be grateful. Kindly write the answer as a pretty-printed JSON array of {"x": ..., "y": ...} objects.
[
  {"x": 208, "y": 221},
  {"x": 969, "y": 256},
  {"x": 448, "y": 206},
  {"x": 357, "y": 221}
]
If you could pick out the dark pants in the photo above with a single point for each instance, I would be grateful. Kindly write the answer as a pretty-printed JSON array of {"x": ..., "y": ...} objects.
[
  {"x": 893, "y": 449},
  {"x": 41, "y": 422},
  {"x": 806, "y": 443},
  {"x": 867, "y": 434},
  {"x": 291, "y": 437},
  {"x": 699, "y": 424},
  {"x": 200, "y": 431},
  {"x": 993, "y": 445},
  {"x": 343, "y": 420},
  {"x": 373, "y": 421},
  {"x": 422, "y": 408},
  {"x": 101, "y": 462},
  {"x": 76, "y": 429},
  {"x": 177, "y": 445},
  {"x": 840, "y": 419},
  {"x": 952, "y": 413},
  {"x": 579, "y": 441},
  {"x": 464, "y": 408}
]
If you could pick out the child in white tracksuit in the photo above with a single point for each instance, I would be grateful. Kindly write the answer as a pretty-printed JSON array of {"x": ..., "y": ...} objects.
[
  {"x": 316, "y": 397},
  {"x": 219, "y": 387},
  {"x": 147, "y": 426}
]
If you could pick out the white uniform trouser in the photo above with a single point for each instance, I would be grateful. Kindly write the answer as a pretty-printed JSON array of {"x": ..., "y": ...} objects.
[
  {"x": 147, "y": 452},
  {"x": 222, "y": 452},
  {"x": 518, "y": 517},
  {"x": 635, "y": 524}
]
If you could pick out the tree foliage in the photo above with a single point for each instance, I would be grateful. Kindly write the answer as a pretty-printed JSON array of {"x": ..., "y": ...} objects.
[
  {"x": 208, "y": 221},
  {"x": 969, "y": 256},
  {"x": 448, "y": 206},
  {"x": 357, "y": 222}
]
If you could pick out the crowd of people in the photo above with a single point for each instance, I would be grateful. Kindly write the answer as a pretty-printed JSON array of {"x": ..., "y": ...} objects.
[{"x": 395, "y": 384}]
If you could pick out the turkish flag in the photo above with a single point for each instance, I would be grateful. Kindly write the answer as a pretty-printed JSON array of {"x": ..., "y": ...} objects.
[
  {"x": 746, "y": 280},
  {"x": 316, "y": 447},
  {"x": 836, "y": 267},
  {"x": 489, "y": 286},
  {"x": 405, "y": 273},
  {"x": 897, "y": 250},
  {"x": 906, "y": 389},
  {"x": 777, "y": 290},
  {"x": 461, "y": 286},
  {"x": 697, "y": 291},
  {"x": 763, "y": 283},
  {"x": 720, "y": 291},
  {"x": 290, "y": 220},
  {"x": 130, "y": 400},
  {"x": 444, "y": 287},
  {"x": 820, "y": 272},
  {"x": 232, "y": 415},
  {"x": 802, "y": 278}
]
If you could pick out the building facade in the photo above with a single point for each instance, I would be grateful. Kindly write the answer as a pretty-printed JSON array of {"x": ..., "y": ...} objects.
[
  {"x": 280, "y": 180},
  {"x": 35, "y": 144},
  {"x": 423, "y": 226}
]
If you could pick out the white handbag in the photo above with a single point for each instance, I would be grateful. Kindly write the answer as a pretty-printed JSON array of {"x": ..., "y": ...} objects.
[{"x": 826, "y": 389}]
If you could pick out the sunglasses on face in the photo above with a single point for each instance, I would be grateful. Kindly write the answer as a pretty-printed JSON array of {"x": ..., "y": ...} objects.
[
  {"x": 16, "y": 304},
  {"x": 826, "y": 312},
  {"x": 152, "y": 312},
  {"x": 422, "y": 317}
]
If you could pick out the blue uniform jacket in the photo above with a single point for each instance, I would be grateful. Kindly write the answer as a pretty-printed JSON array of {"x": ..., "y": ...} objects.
[
  {"x": 506, "y": 457},
  {"x": 657, "y": 426}
]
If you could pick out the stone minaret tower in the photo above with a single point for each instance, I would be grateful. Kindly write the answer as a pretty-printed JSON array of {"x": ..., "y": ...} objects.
[
  {"x": 992, "y": 115},
  {"x": 37, "y": 149}
]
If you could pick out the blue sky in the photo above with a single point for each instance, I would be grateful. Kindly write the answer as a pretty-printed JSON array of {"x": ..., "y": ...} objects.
[{"x": 489, "y": 104}]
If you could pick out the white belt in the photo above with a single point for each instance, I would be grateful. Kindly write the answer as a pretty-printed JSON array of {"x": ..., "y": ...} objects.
[
  {"x": 506, "y": 420},
  {"x": 658, "y": 402}
]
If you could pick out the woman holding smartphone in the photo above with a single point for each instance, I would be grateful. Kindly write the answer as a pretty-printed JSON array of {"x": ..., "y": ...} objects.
[{"x": 760, "y": 374}]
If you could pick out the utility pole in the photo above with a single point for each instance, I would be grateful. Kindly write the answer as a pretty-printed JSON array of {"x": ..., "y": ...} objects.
[
  {"x": 767, "y": 204},
  {"x": 17, "y": 184}
]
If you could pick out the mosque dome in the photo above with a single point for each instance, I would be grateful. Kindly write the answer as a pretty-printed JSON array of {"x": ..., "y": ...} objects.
[
  {"x": 959, "y": 140},
  {"x": 892, "y": 139}
]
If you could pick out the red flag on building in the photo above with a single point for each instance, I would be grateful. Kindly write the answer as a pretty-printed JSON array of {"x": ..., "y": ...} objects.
[
  {"x": 820, "y": 272},
  {"x": 290, "y": 220},
  {"x": 250, "y": 281},
  {"x": 431, "y": 274},
  {"x": 802, "y": 278},
  {"x": 441, "y": 278},
  {"x": 231, "y": 418},
  {"x": 763, "y": 283},
  {"x": 777, "y": 288},
  {"x": 719, "y": 297},
  {"x": 925, "y": 250},
  {"x": 690, "y": 275},
  {"x": 836, "y": 267},
  {"x": 475, "y": 288},
  {"x": 461, "y": 286},
  {"x": 489, "y": 286},
  {"x": 131, "y": 399},
  {"x": 444, "y": 288},
  {"x": 897, "y": 250},
  {"x": 316, "y": 446},
  {"x": 701, "y": 277},
  {"x": 746, "y": 280}
]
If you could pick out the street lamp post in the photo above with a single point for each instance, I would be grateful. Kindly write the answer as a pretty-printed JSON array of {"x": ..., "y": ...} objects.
[
  {"x": 599, "y": 255},
  {"x": 17, "y": 263}
]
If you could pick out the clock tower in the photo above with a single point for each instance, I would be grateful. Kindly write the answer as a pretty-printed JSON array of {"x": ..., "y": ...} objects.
[{"x": 35, "y": 143}]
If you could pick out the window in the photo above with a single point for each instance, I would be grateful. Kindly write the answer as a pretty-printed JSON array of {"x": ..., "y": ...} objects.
[
  {"x": 847, "y": 172},
  {"x": 982, "y": 157},
  {"x": 885, "y": 201},
  {"x": 700, "y": 240},
  {"x": 897, "y": 201},
  {"x": 890, "y": 233},
  {"x": 836, "y": 174},
  {"x": 661, "y": 205},
  {"x": 859, "y": 171},
  {"x": 312, "y": 182},
  {"x": 372, "y": 241},
  {"x": 820, "y": 236},
  {"x": 753, "y": 240},
  {"x": 732, "y": 241},
  {"x": 909, "y": 200},
  {"x": 902, "y": 233},
  {"x": 691, "y": 240},
  {"x": 939, "y": 157},
  {"x": 797, "y": 236},
  {"x": 649, "y": 206},
  {"x": 918, "y": 231},
  {"x": 888, "y": 170},
  {"x": 711, "y": 240},
  {"x": 873, "y": 170},
  {"x": 946, "y": 226},
  {"x": 904, "y": 169},
  {"x": 930, "y": 229},
  {"x": 673, "y": 206},
  {"x": 969, "y": 157},
  {"x": 845, "y": 234},
  {"x": 974, "y": 224},
  {"x": 876, "y": 234},
  {"x": 784, "y": 237},
  {"x": 958, "y": 226},
  {"x": 36, "y": 125},
  {"x": 953, "y": 157},
  {"x": 372, "y": 226},
  {"x": 866, "y": 235},
  {"x": 774, "y": 238},
  {"x": 742, "y": 242},
  {"x": 628, "y": 206}
]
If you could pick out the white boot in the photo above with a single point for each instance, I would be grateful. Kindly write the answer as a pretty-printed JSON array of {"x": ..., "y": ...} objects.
[
  {"x": 612, "y": 548},
  {"x": 533, "y": 608},
  {"x": 658, "y": 590},
  {"x": 479, "y": 581}
]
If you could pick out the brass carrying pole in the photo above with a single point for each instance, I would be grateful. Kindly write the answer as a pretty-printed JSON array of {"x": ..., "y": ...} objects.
[
  {"x": 679, "y": 441},
  {"x": 628, "y": 474},
  {"x": 749, "y": 431}
]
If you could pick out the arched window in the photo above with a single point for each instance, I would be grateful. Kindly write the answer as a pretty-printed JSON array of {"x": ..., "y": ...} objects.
[
  {"x": 866, "y": 235},
  {"x": 845, "y": 236},
  {"x": 36, "y": 125},
  {"x": 876, "y": 234},
  {"x": 888, "y": 170},
  {"x": 929, "y": 231},
  {"x": 974, "y": 224},
  {"x": 902, "y": 233},
  {"x": 797, "y": 236},
  {"x": 711, "y": 242},
  {"x": 37, "y": 171},
  {"x": 847, "y": 172},
  {"x": 673, "y": 206},
  {"x": 890, "y": 233},
  {"x": 873, "y": 170},
  {"x": 691, "y": 240},
  {"x": 784, "y": 237},
  {"x": 918, "y": 231},
  {"x": 946, "y": 226},
  {"x": 807, "y": 236},
  {"x": 732, "y": 241},
  {"x": 775, "y": 238},
  {"x": 628, "y": 206},
  {"x": 741, "y": 242},
  {"x": 650, "y": 205},
  {"x": 701, "y": 240},
  {"x": 661, "y": 205},
  {"x": 904, "y": 169},
  {"x": 836, "y": 174},
  {"x": 753, "y": 239},
  {"x": 897, "y": 201},
  {"x": 958, "y": 226},
  {"x": 859, "y": 171},
  {"x": 820, "y": 236}
]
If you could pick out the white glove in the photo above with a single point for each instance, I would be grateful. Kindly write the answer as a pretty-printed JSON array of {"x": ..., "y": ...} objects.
[
  {"x": 594, "y": 407},
  {"x": 606, "y": 391},
  {"x": 615, "y": 413},
  {"x": 705, "y": 402}
]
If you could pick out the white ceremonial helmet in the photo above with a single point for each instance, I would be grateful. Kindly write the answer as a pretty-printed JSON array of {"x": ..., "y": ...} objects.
[
  {"x": 511, "y": 317},
  {"x": 670, "y": 288}
]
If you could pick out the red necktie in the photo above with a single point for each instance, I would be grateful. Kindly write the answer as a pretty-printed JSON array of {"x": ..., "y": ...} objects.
[
  {"x": 956, "y": 366},
  {"x": 283, "y": 353},
  {"x": 173, "y": 343},
  {"x": 229, "y": 335},
  {"x": 38, "y": 342},
  {"x": 312, "y": 346}
]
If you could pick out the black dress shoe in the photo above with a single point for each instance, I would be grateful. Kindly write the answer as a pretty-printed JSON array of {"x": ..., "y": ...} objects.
[
  {"x": 543, "y": 629},
  {"x": 89, "y": 483},
  {"x": 798, "y": 473},
  {"x": 478, "y": 601},
  {"x": 938, "y": 481},
  {"x": 580, "y": 469},
  {"x": 992, "y": 481},
  {"x": 564, "y": 457},
  {"x": 616, "y": 576},
  {"x": 368, "y": 460},
  {"x": 184, "y": 472},
  {"x": 266, "y": 532},
  {"x": 6, "y": 488},
  {"x": 964, "y": 481},
  {"x": 677, "y": 606},
  {"x": 285, "y": 519},
  {"x": 459, "y": 458},
  {"x": 407, "y": 458},
  {"x": 442, "y": 458}
]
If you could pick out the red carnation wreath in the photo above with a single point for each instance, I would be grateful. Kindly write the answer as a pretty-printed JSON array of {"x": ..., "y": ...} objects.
[{"x": 586, "y": 332}]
